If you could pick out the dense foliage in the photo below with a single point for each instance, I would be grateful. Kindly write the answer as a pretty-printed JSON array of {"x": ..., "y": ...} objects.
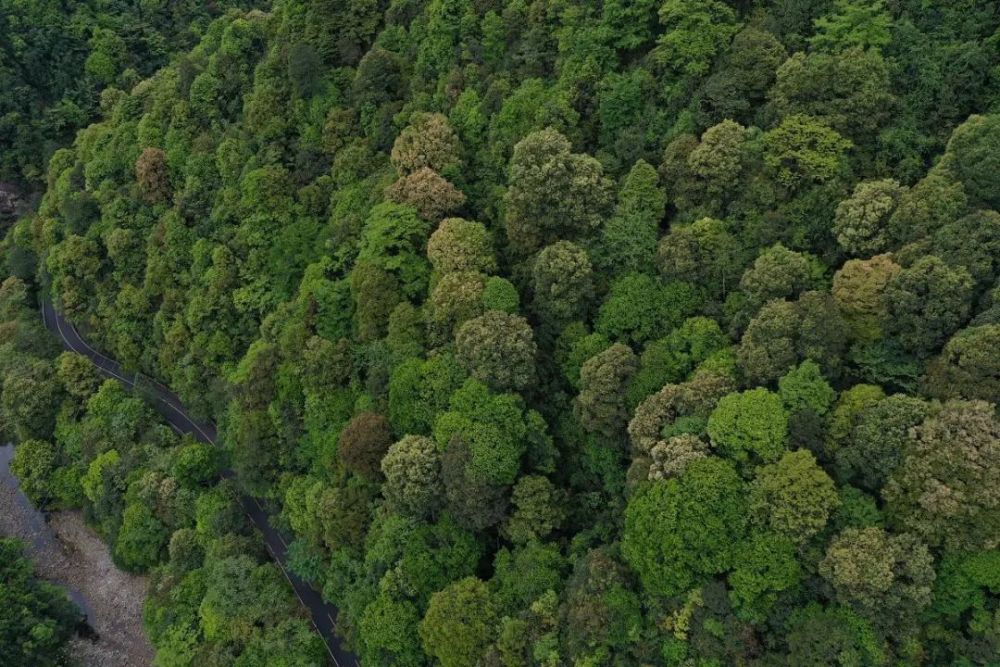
[
  {"x": 56, "y": 57},
  {"x": 36, "y": 617},
  {"x": 563, "y": 333},
  {"x": 83, "y": 442}
]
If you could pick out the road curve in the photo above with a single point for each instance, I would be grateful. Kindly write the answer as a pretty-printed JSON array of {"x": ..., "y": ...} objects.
[{"x": 323, "y": 615}]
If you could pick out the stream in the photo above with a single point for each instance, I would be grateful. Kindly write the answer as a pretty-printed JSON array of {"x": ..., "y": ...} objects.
[{"x": 42, "y": 540}]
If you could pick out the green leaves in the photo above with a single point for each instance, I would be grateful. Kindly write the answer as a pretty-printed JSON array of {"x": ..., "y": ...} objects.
[
  {"x": 680, "y": 531},
  {"x": 694, "y": 32},
  {"x": 852, "y": 24},
  {"x": 639, "y": 307},
  {"x": 750, "y": 427},
  {"x": 36, "y": 618},
  {"x": 459, "y": 624},
  {"x": 802, "y": 150}
]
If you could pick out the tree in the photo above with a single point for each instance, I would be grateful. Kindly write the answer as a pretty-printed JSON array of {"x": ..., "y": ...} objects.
[
  {"x": 380, "y": 77},
  {"x": 694, "y": 32},
  {"x": 418, "y": 390},
  {"x": 185, "y": 551},
  {"x": 78, "y": 375},
  {"x": 804, "y": 389},
  {"x": 195, "y": 464},
  {"x": 793, "y": 497},
  {"x": 628, "y": 239},
  {"x": 142, "y": 538},
  {"x": 972, "y": 158},
  {"x": 927, "y": 301},
  {"x": 973, "y": 242},
  {"x": 405, "y": 338},
  {"x": 718, "y": 160},
  {"x": 884, "y": 577},
  {"x": 253, "y": 379},
  {"x": 425, "y": 190},
  {"x": 388, "y": 628},
  {"x": 600, "y": 611},
  {"x": 823, "y": 333},
  {"x": 852, "y": 24},
  {"x": 460, "y": 623},
  {"x": 74, "y": 264},
  {"x": 376, "y": 295},
  {"x": 456, "y": 298},
  {"x": 240, "y": 596},
  {"x": 601, "y": 405},
  {"x": 765, "y": 568},
  {"x": 37, "y": 618},
  {"x": 412, "y": 469},
  {"x": 474, "y": 495},
  {"x": 290, "y": 643},
  {"x": 638, "y": 307},
  {"x": 672, "y": 358},
  {"x": 780, "y": 273},
  {"x": 859, "y": 289},
  {"x": 784, "y": 333},
  {"x": 803, "y": 150},
  {"x": 681, "y": 530},
  {"x": 750, "y": 427},
  {"x": 525, "y": 574},
  {"x": 562, "y": 283},
  {"x": 537, "y": 511},
  {"x": 411, "y": 560},
  {"x": 35, "y": 463},
  {"x": 675, "y": 172},
  {"x": 670, "y": 457},
  {"x": 849, "y": 405},
  {"x": 926, "y": 207},
  {"x": 630, "y": 23},
  {"x": 848, "y": 92},
  {"x": 461, "y": 245},
  {"x": 553, "y": 193},
  {"x": 304, "y": 69},
  {"x": 255, "y": 445},
  {"x": 363, "y": 443},
  {"x": 704, "y": 252},
  {"x": 861, "y": 222},
  {"x": 500, "y": 294},
  {"x": 427, "y": 142},
  {"x": 495, "y": 428},
  {"x": 967, "y": 368},
  {"x": 498, "y": 349},
  {"x": 945, "y": 490},
  {"x": 394, "y": 239},
  {"x": 29, "y": 400},
  {"x": 744, "y": 73},
  {"x": 879, "y": 440},
  {"x": 13, "y": 298},
  {"x": 152, "y": 173},
  {"x": 833, "y": 637},
  {"x": 678, "y": 409}
]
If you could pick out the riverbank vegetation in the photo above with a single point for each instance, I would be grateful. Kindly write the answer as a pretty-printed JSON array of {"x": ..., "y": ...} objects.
[
  {"x": 155, "y": 497},
  {"x": 563, "y": 333},
  {"x": 37, "y": 619}
]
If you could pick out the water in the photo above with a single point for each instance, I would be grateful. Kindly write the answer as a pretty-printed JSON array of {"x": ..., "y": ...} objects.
[{"x": 35, "y": 529}]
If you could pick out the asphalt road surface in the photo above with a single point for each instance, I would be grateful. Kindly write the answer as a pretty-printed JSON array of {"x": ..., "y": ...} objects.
[{"x": 174, "y": 412}]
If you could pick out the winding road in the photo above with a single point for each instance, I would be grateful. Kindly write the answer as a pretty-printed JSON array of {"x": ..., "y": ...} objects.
[{"x": 174, "y": 412}]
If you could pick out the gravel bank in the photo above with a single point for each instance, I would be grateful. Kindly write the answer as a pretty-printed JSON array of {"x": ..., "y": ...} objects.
[{"x": 67, "y": 552}]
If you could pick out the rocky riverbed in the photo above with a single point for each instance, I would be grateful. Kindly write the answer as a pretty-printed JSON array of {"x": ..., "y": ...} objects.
[{"x": 67, "y": 552}]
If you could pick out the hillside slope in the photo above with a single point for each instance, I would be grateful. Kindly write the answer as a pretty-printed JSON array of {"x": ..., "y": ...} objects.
[{"x": 572, "y": 333}]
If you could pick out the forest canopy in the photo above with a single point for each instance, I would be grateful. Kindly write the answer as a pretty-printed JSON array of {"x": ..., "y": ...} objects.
[{"x": 557, "y": 332}]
